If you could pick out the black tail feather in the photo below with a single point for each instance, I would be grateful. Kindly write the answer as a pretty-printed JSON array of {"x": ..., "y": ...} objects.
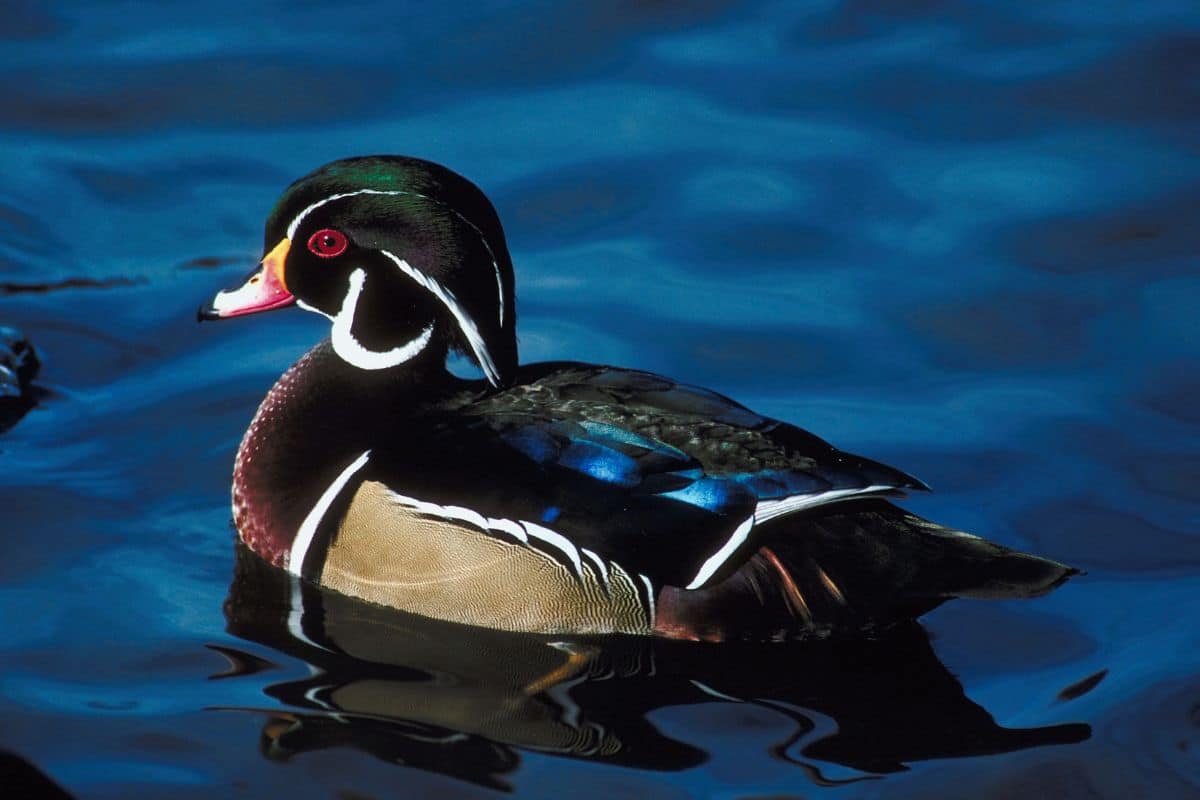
[
  {"x": 858, "y": 567},
  {"x": 888, "y": 564}
]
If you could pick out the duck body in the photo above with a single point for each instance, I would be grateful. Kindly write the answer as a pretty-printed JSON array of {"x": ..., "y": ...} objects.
[{"x": 557, "y": 497}]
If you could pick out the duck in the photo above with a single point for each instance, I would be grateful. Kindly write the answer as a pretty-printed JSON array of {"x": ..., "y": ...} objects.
[{"x": 556, "y": 498}]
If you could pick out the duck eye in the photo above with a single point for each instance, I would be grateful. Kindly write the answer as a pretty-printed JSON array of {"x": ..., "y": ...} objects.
[{"x": 327, "y": 243}]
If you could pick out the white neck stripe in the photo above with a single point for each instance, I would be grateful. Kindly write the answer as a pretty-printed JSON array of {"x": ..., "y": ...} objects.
[
  {"x": 465, "y": 323},
  {"x": 352, "y": 351},
  {"x": 299, "y": 219},
  {"x": 308, "y": 528}
]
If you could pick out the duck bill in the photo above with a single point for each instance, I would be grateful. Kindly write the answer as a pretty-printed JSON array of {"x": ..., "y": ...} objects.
[{"x": 264, "y": 290}]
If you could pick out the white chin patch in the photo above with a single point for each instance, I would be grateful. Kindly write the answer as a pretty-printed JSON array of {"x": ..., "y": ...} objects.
[{"x": 351, "y": 350}]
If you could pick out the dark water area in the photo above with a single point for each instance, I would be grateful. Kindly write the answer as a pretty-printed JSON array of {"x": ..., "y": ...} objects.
[{"x": 958, "y": 238}]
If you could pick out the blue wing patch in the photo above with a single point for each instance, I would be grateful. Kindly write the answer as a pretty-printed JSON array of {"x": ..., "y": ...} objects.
[
  {"x": 602, "y": 452},
  {"x": 716, "y": 495},
  {"x": 777, "y": 483},
  {"x": 629, "y": 460},
  {"x": 534, "y": 441},
  {"x": 601, "y": 463}
]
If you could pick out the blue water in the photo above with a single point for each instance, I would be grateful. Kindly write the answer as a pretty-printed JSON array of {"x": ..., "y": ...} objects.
[{"x": 960, "y": 238}]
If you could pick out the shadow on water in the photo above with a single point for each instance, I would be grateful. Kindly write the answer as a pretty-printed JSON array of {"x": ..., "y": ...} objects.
[{"x": 466, "y": 702}]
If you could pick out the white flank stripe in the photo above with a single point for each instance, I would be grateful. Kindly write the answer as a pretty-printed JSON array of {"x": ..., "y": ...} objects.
[
  {"x": 465, "y": 323},
  {"x": 351, "y": 350},
  {"x": 600, "y": 567},
  {"x": 299, "y": 219},
  {"x": 308, "y": 528},
  {"x": 518, "y": 529},
  {"x": 770, "y": 509},
  {"x": 557, "y": 540},
  {"x": 421, "y": 506},
  {"x": 466, "y": 515},
  {"x": 721, "y": 556},
  {"x": 510, "y": 527},
  {"x": 649, "y": 597}
]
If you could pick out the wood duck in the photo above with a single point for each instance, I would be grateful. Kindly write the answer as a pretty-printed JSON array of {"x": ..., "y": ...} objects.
[{"x": 558, "y": 498}]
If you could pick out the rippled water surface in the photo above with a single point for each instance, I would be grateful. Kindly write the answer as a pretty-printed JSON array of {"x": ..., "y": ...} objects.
[{"x": 961, "y": 238}]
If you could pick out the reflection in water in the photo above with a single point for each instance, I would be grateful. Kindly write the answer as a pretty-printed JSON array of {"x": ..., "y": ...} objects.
[
  {"x": 20, "y": 778},
  {"x": 464, "y": 701}
]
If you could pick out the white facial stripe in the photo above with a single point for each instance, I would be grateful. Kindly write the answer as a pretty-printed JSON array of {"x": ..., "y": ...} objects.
[
  {"x": 299, "y": 219},
  {"x": 351, "y": 350},
  {"x": 465, "y": 323},
  {"x": 721, "y": 556},
  {"x": 301, "y": 304},
  {"x": 308, "y": 528}
]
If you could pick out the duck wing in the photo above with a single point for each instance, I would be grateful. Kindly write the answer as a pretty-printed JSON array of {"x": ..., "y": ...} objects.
[{"x": 670, "y": 481}]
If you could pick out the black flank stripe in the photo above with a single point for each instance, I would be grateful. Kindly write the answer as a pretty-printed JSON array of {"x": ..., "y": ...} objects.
[
  {"x": 323, "y": 537},
  {"x": 558, "y": 556}
]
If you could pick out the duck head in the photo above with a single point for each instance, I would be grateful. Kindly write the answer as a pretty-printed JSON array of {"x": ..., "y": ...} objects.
[{"x": 406, "y": 259}]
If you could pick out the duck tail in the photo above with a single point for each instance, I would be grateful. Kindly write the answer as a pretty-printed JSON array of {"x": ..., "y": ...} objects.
[
  {"x": 857, "y": 568},
  {"x": 877, "y": 543}
]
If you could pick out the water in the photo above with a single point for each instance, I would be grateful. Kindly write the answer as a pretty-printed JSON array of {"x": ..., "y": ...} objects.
[{"x": 959, "y": 238}]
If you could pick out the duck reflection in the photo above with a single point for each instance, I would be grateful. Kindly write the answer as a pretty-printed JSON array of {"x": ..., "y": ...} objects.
[{"x": 465, "y": 701}]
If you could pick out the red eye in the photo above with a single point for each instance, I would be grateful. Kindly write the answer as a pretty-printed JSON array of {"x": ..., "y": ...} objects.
[{"x": 328, "y": 243}]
